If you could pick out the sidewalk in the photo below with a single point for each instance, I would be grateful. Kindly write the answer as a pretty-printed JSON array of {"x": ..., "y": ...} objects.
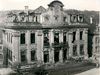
[
  {"x": 6, "y": 71},
  {"x": 94, "y": 71}
]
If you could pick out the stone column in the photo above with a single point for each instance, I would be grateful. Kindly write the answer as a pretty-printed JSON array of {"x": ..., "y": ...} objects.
[
  {"x": 16, "y": 47},
  {"x": 51, "y": 40},
  {"x": 61, "y": 51},
  {"x": 51, "y": 55},
  {"x": 85, "y": 37},
  {"x": 28, "y": 46},
  {"x": 61, "y": 55},
  {"x": 78, "y": 41},
  {"x": 70, "y": 36},
  {"x": 39, "y": 51}
]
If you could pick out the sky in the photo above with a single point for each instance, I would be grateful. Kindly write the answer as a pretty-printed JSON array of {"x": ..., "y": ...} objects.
[{"x": 33, "y": 4}]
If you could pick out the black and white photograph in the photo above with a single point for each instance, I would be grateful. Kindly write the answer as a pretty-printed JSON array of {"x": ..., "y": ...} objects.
[{"x": 49, "y": 37}]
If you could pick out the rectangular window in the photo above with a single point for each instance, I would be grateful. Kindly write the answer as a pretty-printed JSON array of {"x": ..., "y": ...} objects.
[
  {"x": 81, "y": 35},
  {"x": 64, "y": 37},
  {"x": 32, "y": 55},
  {"x": 46, "y": 56},
  {"x": 9, "y": 54},
  {"x": 46, "y": 39},
  {"x": 64, "y": 19},
  {"x": 74, "y": 35},
  {"x": 32, "y": 38},
  {"x": 74, "y": 50},
  {"x": 22, "y": 38},
  {"x": 23, "y": 56},
  {"x": 81, "y": 49},
  {"x": 56, "y": 38},
  {"x": 36, "y": 19}
]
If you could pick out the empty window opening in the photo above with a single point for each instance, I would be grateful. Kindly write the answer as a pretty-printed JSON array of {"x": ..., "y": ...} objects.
[
  {"x": 46, "y": 56},
  {"x": 64, "y": 19},
  {"x": 22, "y": 38},
  {"x": 9, "y": 54},
  {"x": 56, "y": 38},
  {"x": 23, "y": 56},
  {"x": 46, "y": 39},
  {"x": 32, "y": 55},
  {"x": 36, "y": 19},
  {"x": 32, "y": 38},
  {"x": 56, "y": 56},
  {"x": 74, "y": 50},
  {"x": 74, "y": 35},
  {"x": 81, "y": 35},
  {"x": 64, "y": 37},
  {"x": 81, "y": 49}
]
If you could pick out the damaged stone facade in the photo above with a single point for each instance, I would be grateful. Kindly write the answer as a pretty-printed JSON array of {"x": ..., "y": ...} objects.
[{"x": 45, "y": 36}]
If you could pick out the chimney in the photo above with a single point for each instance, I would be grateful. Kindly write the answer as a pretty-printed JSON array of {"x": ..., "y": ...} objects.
[
  {"x": 91, "y": 20},
  {"x": 26, "y": 9}
]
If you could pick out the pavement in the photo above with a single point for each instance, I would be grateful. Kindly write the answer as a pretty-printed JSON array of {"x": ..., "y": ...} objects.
[
  {"x": 94, "y": 71},
  {"x": 6, "y": 71}
]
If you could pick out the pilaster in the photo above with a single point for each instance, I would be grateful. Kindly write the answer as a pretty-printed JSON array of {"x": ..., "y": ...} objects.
[
  {"x": 78, "y": 41},
  {"x": 85, "y": 35},
  {"x": 70, "y": 36},
  {"x": 61, "y": 51},
  {"x": 39, "y": 50},
  {"x": 15, "y": 47},
  {"x": 28, "y": 47},
  {"x": 51, "y": 40},
  {"x": 51, "y": 56}
]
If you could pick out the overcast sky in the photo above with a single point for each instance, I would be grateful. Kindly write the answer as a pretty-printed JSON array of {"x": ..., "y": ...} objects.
[{"x": 69, "y": 4}]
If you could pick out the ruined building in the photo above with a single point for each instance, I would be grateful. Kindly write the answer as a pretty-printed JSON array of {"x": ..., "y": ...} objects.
[{"x": 45, "y": 36}]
